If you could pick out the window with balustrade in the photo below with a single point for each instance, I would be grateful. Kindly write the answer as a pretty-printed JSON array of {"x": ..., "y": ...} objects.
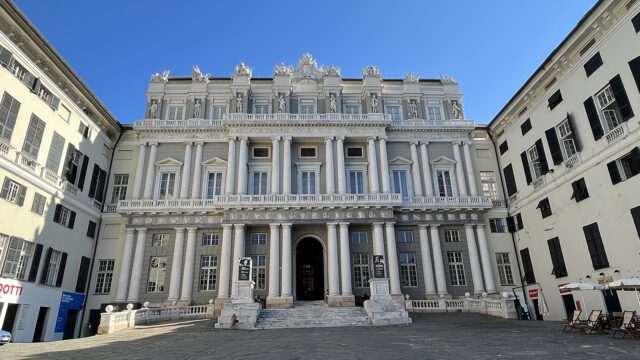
[
  {"x": 157, "y": 274},
  {"x": 213, "y": 184},
  {"x": 351, "y": 109},
  {"x": 400, "y": 183},
  {"x": 393, "y": 111},
  {"x": 217, "y": 112},
  {"x": 208, "y": 272},
  {"x": 361, "y": 270},
  {"x": 175, "y": 112},
  {"x": 608, "y": 109},
  {"x": 434, "y": 112},
  {"x": 444, "y": 182},
  {"x": 168, "y": 186},
  {"x": 104, "y": 276},
  {"x": 456, "y": 268},
  {"x": 259, "y": 263},
  {"x": 356, "y": 182},
  {"x": 259, "y": 183},
  {"x": 308, "y": 182},
  {"x": 488, "y": 183}
]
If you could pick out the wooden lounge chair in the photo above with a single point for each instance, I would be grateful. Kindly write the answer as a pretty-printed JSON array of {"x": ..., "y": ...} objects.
[
  {"x": 573, "y": 322},
  {"x": 628, "y": 326},
  {"x": 593, "y": 324}
]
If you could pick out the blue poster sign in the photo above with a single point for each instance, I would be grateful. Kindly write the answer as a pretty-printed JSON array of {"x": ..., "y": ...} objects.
[{"x": 68, "y": 301}]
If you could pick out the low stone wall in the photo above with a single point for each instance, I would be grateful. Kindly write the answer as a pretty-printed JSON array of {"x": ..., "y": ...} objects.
[{"x": 503, "y": 308}]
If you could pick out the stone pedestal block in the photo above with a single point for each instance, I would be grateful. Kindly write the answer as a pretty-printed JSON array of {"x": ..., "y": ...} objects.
[
  {"x": 341, "y": 301},
  {"x": 242, "y": 312},
  {"x": 382, "y": 309},
  {"x": 279, "y": 302}
]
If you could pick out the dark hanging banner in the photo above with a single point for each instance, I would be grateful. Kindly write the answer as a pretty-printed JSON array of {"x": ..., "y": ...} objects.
[{"x": 378, "y": 266}]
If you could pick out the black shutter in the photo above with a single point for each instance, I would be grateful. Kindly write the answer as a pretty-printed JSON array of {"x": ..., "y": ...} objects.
[
  {"x": 45, "y": 269},
  {"x": 23, "y": 192},
  {"x": 574, "y": 134},
  {"x": 91, "y": 229},
  {"x": 542, "y": 156},
  {"x": 554, "y": 146},
  {"x": 63, "y": 264},
  {"x": 511, "y": 224},
  {"x": 621, "y": 98},
  {"x": 35, "y": 263},
  {"x": 83, "y": 172},
  {"x": 594, "y": 119},
  {"x": 101, "y": 184},
  {"x": 505, "y": 146},
  {"x": 56, "y": 213},
  {"x": 70, "y": 169},
  {"x": 634, "y": 65},
  {"x": 72, "y": 219},
  {"x": 555, "y": 99},
  {"x": 519, "y": 223},
  {"x": 635, "y": 214},
  {"x": 525, "y": 166},
  {"x": 613, "y": 172},
  {"x": 635, "y": 159},
  {"x": 81, "y": 283},
  {"x": 525, "y": 126},
  {"x": 510, "y": 180},
  {"x": 94, "y": 181},
  {"x": 529, "y": 276},
  {"x": 593, "y": 64},
  {"x": 636, "y": 21},
  {"x": 5, "y": 188}
]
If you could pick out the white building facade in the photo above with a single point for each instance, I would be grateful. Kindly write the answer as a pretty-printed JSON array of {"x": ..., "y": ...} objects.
[
  {"x": 569, "y": 152},
  {"x": 312, "y": 176},
  {"x": 56, "y": 142}
]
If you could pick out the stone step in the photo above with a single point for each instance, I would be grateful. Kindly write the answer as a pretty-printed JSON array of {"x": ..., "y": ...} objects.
[{"x": 312, "y": 314}]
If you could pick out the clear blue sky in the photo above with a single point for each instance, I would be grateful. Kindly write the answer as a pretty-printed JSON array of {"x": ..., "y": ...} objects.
[{"x": 489, "y": 47}]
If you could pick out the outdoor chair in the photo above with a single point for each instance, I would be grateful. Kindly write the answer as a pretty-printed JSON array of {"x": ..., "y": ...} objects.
[
  {"x": 593, "y": 324},
  {"x": 628, "y": 326},
  {"x": 573, "y": 322}
]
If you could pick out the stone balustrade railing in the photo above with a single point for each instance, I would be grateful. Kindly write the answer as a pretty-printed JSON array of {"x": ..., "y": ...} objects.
[
  {"x": 504, "y": 308},
  {"x": 617, "y": 133},
  {"x": 448, "y": 202},
  {"x": 115, "y": 321},
  {"x": 435, "y": 124}
]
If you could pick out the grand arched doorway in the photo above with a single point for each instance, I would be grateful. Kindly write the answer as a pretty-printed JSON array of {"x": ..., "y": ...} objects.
[{"x": 309, "y": 270}]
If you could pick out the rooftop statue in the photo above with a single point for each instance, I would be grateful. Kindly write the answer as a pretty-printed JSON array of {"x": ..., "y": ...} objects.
[
  {"x": 160, "y": 78},
  {"x": 371, "y": 71},
  {"x": 332, "y": 71},
  {"x": 242, "y": 70},
  {"x": 282, "y": 70},
  {"x": 448, "y": 80},
  {"x": 198, "y": 76},
  {"x": 411, "y": 79}
]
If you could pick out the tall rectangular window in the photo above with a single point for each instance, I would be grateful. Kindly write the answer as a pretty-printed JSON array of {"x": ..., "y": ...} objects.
[
  {"x": 259, "y": 263},
  {"x": 39, "y": 201},
  {"x": 208, "y": 272},
  {"x": 400, "y": 185},
  {"x": 55, "y": 152},
  {"x": 356, "y": 182},
  {"x": 557, "y": 259},
  {"x": 64, "y": 216},
  {"x": 451, "y": 236},
  {"x": 260, "y": 183},
  {"x": 159, "y": 240},
  {"x": 120, "y": 183},
  {"x": 488, "y": 181},
  {"x": 175, "y": 112},
  {"x": 218, "y": 112},
  {"x": 596, "y": 247},
  {"x": 527, "y": 266},
  {"x": 496, "y": 225},
  {"x": 359, "y": 237},
  {"x": 456, "y": 268},
  {"x": 408, "y": 271},
  {"x": 13, "y": 192},
  {"x": 104, "y": 277},
  {"x": 443, "y": 178},
  {"x": 308, "y": 182},
  {"x": 504, "y": 269},
  {"x": 51, "y": 274},
  {"x": 567, "y": 139},
  {"x": 434, "y": 112},
  {"x": 394, "y": 111},
  {"x": 8, "y": 114},
  {"x": 352, "y": 109},
  {"x": 4, "y": 242},
  {"x": 19, "y": 253},
  {"x": 259, "y": 239},
  {"x": 214, "y": 184},
  {"x": 157, "y": 274},
  {"x": 361, "y": 270},
  {"x": 167, "y": 185},
  {"x": 210, "y": 239},
  {"x": 33, "y": 138},
  {"x": 534, "y": 162},
  {"x": 404, "y": 236}
]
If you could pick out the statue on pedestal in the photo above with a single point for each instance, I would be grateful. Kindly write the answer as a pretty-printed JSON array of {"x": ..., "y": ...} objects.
[
  {"x": 239, "y": 102},
  {"x": 196, "y": 109},
  {"x": 455, "y": 109},
  {"x": 332, "y": 103},
  {"x": 374, "y": 103},
  {"x": 413, "y": 110},
  {"x": 282, "y": 105},
  {"x": 153, "y": 109}
]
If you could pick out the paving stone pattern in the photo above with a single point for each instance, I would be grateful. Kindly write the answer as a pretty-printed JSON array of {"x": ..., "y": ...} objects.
[
  {"x": 431, "y": 336},
  {"x": 312, "y": 314}
]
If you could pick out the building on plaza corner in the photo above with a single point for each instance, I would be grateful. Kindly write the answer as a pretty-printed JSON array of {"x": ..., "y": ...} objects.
[
  {"x": 56, "y": 141},
  {"x": 569, "y": 145},
  {"x": 312, "y": 176}
]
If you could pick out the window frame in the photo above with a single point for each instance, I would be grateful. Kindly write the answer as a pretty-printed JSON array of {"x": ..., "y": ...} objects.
[
  {"x": 455, "y": 262},
  {"x": 160, "y": 274},
  {"x": 104, "y": 276},
  {"x": 408, "y": 269},
  {"x": 505, "y": 272},
  {"x": 259, "y": 271},
  {"x": 208, "y": 277},
  {"x": 361, "y": 269},
  {"x": 119, "y": 187}
]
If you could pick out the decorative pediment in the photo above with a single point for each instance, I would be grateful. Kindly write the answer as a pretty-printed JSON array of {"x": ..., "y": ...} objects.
[
  {"x": 214, "y": 161},
  {"x": 400, "y": 161},
  {"x": 242, "y": 70},
  {"x": 307, "y": 69},
  {"x": 443, "y": 161},
  {"x": 167, "y": 162}
]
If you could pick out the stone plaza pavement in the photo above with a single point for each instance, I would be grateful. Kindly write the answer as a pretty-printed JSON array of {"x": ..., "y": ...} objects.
[{"x": 431, "y": 336}]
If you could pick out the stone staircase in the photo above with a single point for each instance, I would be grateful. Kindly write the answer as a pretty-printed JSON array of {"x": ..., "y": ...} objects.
[{"x": 309, "y": 314}]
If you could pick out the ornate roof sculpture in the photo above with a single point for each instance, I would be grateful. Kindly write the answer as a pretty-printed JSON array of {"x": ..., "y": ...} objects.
[
  {"x": 160, "y": 78},
  {"x": 242, "y": 70},
  {"x": 371, "y": 70},
  {"x": 282, "y": 70},
  {"x": 198, "y": 76},
  {"x": 332, "y": 71},
  {"x": 411, "y": 79},
  {"x": 448, "y": 80},
  {"x": 307, "y": 69}
]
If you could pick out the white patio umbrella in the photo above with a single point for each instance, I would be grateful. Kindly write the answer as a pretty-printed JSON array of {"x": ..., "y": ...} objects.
[
  {"x": 582, "y": 286},
  {"x": 626, "y": 284}
]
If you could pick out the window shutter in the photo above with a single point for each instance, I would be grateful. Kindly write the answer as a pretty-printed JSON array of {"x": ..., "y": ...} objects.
[
  {"x": 55, "y": 102},
  {"x": 593, "y": 64},
  {"x": 72, "y": 219},
  {"x": 5, "y": 56},
  {"x": 83, "y": 172},
  {"x": 519, "y": 223},
  {"x": 94, "y": 180},
  {"x": 525, "y": 166},
  {"x": 510, "y": 180},
  {"x": 63, "y": 264},
  {"x": 32, "y": 82},
  {"x": 56, "y": 213},
  {"x": 55, "y": 152},
  {"x": 594, "y": 119},
  {"x": 35, "y": 263},
  {"x": 621, "y": 98},
  {"x": 45, "y": 269},
  {"x": 634, "y": 65},
  {"x": 554, "y": 146},
  {"x": 91, "y": 229},
  {"x": 70, "y": 169},
  {"x": 511, "y": 224},
  {"x": 101, "y": 184},
  {"x": 635, "y": 159},
  {"x": 635, "y": 214},
  {"x": 555, "y": 99},
  {"x": 81, "y": 284},
  {"x": 504, "y": 147},
  {"x": 574, "y": 134},
  {"x": 23, "y": 191},
  {"x": 5, "y": 188},
  {"x": 613, "y": 172},
  {"x": 542, "y": 156}
]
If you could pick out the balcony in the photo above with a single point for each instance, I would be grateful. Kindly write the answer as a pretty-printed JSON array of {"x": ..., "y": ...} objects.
[
  {"x": 450, "y": 202},
  {"x": 26, "y": 161},
  {"x": 433, "y": 124},
  {"x": 539, "y": 182},
  {"x": 176, "y": 124},
  {"x": 619, "y": 132},
  {"x": 573, "y": 161},
  {"x": 225, "y": 202},
  {"x": 304, "y": 119}
]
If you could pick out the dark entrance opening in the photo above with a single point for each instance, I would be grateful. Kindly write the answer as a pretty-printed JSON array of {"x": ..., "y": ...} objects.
[
  {"x": 611, "y": 301},
  {"x": 38, "y": 333},
  {"x": 70, "y": 325},
  {"x": 309, "y": 270},
  {"x": 536, "y": 309},
  {"x": 569, "y": 305},
  {"x": 94, "y": 320},
  {"x": 10, "y": 317}
]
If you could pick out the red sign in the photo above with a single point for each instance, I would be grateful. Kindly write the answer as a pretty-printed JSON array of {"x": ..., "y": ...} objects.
[
  {"x": 533, "y": 293},
  {"x": 563, "y": 291},
  {"x": 10, "y": 289}
]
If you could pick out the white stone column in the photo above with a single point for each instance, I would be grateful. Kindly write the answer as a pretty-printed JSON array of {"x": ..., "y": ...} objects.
[
  {"x": 374, "y": 186},
  {"x": 151, "y": 172},
  {"x": 342, "y": 183},
  {"x": 274, "y": 261},
  {"x": 427, "y": 265},
  {"x": 485, "y": 256},
  {"x": 471, "y": 175},
  {"x": 231, "y": 167},
  {"x": 345, "y": 260},
  {"x": 330, "y": 179},
  {"x": 125, "y": 268},
  {"x": 197, "y": 172},
  {"x": 415, "y": 170},
  {"x": 189, "y": 264},
  {"x": 238, "y": 252},
  {"x": 462, "y": 186},
  {"x": 392, "y": 256},
  {"x": 137, "y": 183},
  {"x": 136, "y": 270},
  {"x": 242, "y": 166},
  {"x": 176, "y": 266},
  {"x": 286, "y": 167},
  {"x": 438, "y": 263},
  {"x": 225, "y": 260},
  {"x": 333, "y": 271},
  {"x": 476, "y": 270},
  {"x": 287, "y": 259},
  {"x": 378, "y": 243},
  {"x": 275, "y": 165},
  {"x": 186, "y": 172},
  {"x": 426, "y": 168},
  {"x": 384, "y": 166}
]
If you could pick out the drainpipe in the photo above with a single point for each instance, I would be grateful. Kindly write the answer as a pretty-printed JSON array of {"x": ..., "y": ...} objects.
[
  {"x": 95, "y": 247},
  {"x": 513, "y": 238}
]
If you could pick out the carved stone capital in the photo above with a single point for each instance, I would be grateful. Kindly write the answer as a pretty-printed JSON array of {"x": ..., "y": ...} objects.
[
  {"x": 287, "y": 138},
  {"x": 276, "y": 138},
  {"x": 328, "y": 138}
]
